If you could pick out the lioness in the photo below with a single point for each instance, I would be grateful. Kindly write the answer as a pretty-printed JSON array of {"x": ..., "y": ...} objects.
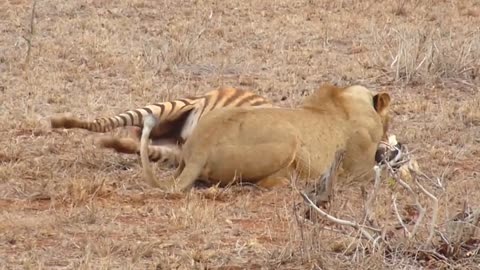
[{"x": 265, "y": 145}]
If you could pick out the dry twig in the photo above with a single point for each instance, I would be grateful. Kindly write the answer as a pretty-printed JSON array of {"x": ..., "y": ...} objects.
[
  {"x": 373, "y": 195},
  {"x": 30, "y": 35},
  {"x": 397, "y": 214},
  {"x": 355, "y": 225},
  {"x": 433, "y": 222}
]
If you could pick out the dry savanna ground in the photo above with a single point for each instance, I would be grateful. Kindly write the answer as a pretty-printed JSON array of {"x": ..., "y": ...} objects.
[{"x": 67, "y": 204}]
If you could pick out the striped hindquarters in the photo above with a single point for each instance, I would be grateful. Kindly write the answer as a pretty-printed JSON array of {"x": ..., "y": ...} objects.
[
  {"x": 175, "y": 121},
  {"x": 168, "y": 111},
  {"x": 164, "y": 111},
  {"x": 171, "y": 111},
  {"x": 231, "y": 97},
  {"x": 223, "y": 98}
]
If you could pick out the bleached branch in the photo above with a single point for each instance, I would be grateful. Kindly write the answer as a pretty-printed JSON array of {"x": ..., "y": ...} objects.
[
  {"x": 406, "y": 186},
  {"x": 433, "y": 222},
  {"x": 394, "y": 199},
  {"x": 373, "y": 195},
  {"x": 362, "y": 229}
]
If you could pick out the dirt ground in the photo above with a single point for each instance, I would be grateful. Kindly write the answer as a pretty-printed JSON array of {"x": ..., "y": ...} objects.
[{"x": 67, "y": 204}]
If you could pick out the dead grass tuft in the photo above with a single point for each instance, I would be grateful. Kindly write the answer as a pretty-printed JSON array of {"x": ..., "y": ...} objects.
[
  {"x": 82, "y": 190},
  {"x": 429, "y": 56}
]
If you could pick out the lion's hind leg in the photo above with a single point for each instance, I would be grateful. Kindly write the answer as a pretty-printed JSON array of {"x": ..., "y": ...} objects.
[
  {"x": 265, "y": 164},
  {"x": 249, "y": 152},
  {"x": 273, "y": 181},
  {"x": 226, "y": 164}
]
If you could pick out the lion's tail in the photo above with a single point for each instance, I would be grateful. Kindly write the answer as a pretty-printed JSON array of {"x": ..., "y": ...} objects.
[
  {"x": 148, "y": 124},
  {"x": 188, "y": 175}
]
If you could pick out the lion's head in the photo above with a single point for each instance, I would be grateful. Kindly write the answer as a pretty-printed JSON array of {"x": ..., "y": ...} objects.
[
  {"x": 359, "y": 104},
  {"x": 365, "y": 114}
]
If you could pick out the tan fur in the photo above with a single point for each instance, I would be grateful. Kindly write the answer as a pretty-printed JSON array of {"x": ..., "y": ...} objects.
[{"x": 267, "y": 145}]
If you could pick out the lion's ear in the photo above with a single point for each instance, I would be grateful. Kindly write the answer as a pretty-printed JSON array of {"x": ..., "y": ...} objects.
[{"x": 381, "y": 101}]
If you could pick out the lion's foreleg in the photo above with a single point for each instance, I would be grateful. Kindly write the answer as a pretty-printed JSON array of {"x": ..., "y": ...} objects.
[
  {"x": 264, "y": 164},
  {"x": 322, "y": 192}
]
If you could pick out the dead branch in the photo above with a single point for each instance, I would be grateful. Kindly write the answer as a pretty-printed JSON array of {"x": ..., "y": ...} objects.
[
  {"x": 373, "y": 195},
  {"x": 355, "y": 225},
  {"x": 394, "y": 199},
  {"x": 29, "y": 39},
  {"x": 406, "y": 186},
  {"x": 461, "y": 228},
  {"x": 433, "y": 223},
  {"x": 402, "y": 159}
]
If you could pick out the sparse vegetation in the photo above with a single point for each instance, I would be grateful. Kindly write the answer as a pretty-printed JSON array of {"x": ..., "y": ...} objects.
[{"x": 66, "y": 204}]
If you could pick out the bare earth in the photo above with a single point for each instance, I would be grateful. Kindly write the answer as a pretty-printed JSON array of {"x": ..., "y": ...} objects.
[{"x": 66, "y": 204}]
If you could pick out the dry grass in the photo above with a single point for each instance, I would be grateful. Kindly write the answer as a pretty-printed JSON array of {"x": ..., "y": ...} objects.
[{"x": 67, "y": 205}]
